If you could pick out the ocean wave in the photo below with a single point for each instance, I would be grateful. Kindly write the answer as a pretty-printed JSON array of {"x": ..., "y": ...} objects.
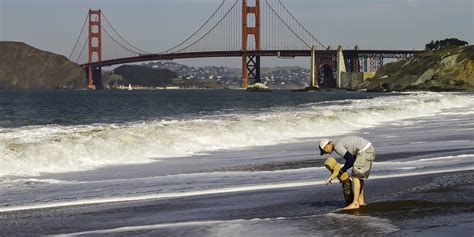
[{"x": 32, "y": 150}]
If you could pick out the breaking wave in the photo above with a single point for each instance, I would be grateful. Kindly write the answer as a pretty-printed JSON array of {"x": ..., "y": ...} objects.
[{"x": 32, "y": 150}]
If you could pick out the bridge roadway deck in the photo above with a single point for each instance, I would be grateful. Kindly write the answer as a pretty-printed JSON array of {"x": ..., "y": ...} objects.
[{"x": 263, "y": 53}]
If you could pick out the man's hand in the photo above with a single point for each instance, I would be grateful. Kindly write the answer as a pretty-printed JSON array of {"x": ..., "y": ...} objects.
[{"x": 329, "y": 181}]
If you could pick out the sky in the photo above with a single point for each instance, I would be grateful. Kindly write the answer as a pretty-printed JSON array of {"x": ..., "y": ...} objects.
[{"x": 154, "y": 25}]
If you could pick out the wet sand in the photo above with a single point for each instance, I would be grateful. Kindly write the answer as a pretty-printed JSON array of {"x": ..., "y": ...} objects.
[
  {"x": 431, "y": 205},
  {"x": 426, "y": 205}
]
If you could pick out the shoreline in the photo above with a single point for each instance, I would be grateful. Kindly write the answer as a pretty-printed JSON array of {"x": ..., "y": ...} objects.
[
  {"x": 281, "y": 190},
  {"x": 361, "y": 90}
]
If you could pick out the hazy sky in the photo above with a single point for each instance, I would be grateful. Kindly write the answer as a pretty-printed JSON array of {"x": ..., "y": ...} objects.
[{"x": 154, "y": 25}]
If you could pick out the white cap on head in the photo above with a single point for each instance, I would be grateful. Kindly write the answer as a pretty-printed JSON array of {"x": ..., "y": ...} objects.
[{"x": 323, "y": 143}]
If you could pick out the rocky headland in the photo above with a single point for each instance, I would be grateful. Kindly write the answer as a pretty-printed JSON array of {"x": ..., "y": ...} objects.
[
  {"x": 445, "y": 69},
  {"x": 26, "y": 67}
]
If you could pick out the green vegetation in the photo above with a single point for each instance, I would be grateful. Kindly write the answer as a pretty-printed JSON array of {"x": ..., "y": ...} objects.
[
  {"x": 142, "y": 76},
  {"x": 441, "y": 44},
  {"x": 146, "y": 77}
]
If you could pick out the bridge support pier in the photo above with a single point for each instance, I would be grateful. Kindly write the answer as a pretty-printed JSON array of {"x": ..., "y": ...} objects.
[
  {"x": 314, "y": 69},
  {"x": 340, "y": 65},
  {"x": 253, "y": 67},
  {"x": 94, "y": 78}
]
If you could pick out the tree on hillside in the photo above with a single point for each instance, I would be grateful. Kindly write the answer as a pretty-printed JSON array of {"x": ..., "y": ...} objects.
[
  {"x": 143, "y": 76},
  {"x": 441, "y": 44}
]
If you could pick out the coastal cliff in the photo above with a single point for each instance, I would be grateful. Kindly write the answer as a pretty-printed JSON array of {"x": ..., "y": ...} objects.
[
  {"x": 447, "y": 69},
  {"x": 25, "y": 67}
]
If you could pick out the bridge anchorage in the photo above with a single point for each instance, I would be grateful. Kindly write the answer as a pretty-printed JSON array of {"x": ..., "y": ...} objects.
[{"x": 249, "y": 29}]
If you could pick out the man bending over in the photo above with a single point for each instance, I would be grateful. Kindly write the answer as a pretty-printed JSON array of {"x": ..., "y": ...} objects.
[{"x": 359, "y": 154}]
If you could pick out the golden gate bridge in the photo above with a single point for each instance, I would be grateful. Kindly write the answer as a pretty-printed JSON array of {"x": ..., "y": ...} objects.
[{"x": 249, "y": 29}]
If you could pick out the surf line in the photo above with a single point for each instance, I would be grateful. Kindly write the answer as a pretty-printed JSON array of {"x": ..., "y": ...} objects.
[
  {"x": 145, "y": 227},
  {"x": 150, "y": 227},
  {"x": 368, "y": 219},
  {"x": 249, "y": 188}
]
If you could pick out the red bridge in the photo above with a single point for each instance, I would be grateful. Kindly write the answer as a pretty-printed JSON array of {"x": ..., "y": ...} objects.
[{"x": 249, "y": 29}]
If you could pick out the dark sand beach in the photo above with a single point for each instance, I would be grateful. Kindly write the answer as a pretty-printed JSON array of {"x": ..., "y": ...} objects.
[{"x": 426, "y": 205}]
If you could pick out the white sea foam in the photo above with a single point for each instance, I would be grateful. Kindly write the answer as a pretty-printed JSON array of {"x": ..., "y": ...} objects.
[
  {"x": 148, "y": 227},
  {"x": 464, "y": 158},
  {"x": 33, "y": 150},
  {"x": 31, "y": 181},
  {"x": 280, "y": 226}
]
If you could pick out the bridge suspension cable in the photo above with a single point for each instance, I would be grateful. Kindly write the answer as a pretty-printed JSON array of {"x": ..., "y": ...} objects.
[
  {"x": 280, "y": 13},
  {"x": 116, "y": 45},
  {"x": 286, "y": 24},
  {"x": 121, "y": 45},
  {"x": 138, "y": 51},
  {"x": 301, "y": 25},
  {"x": 195, "y": 32},
  {"x": 221, "y": 32},
  {"x": 82, "y": 51},
  {"x": 79, "y": 36},
  {"x": 221, "y": 41},
  {"x": 210, "y": 30}
]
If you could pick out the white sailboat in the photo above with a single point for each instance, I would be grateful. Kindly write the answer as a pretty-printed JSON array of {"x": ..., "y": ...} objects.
[{"x": 129, "y": 87}]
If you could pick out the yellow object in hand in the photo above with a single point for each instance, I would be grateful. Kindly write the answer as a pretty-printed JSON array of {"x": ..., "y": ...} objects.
[{"x": 335, "y": 168}]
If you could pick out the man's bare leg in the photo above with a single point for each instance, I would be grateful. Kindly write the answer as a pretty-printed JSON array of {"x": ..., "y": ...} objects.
[
  {"x": 361, "y": 195},
  {"x": 356, "y": 188}
]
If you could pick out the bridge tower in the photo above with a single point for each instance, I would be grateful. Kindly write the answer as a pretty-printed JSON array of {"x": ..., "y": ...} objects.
[
  {"x": 250, "y": 63},
  {"x": 95, "y": 46}
]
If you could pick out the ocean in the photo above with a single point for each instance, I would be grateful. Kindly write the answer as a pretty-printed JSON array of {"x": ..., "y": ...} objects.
[{"x": 187, "y": 162}]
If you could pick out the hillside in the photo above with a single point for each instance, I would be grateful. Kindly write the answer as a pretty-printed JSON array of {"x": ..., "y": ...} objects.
[
  {"x": 25, "y": 67},
  {"x": 288, "y": 77},
  {"x": 143, "y": 76},
  {"x": 447, "y": 69}
]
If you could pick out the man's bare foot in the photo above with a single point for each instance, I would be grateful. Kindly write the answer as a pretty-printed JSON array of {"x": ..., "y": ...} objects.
[{"x": 351, "y": 206}]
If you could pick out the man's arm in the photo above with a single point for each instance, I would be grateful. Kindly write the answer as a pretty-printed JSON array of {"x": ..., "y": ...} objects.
[
  {"x": 335, "y": 172},
  {"x": 349, "y": 161}
]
